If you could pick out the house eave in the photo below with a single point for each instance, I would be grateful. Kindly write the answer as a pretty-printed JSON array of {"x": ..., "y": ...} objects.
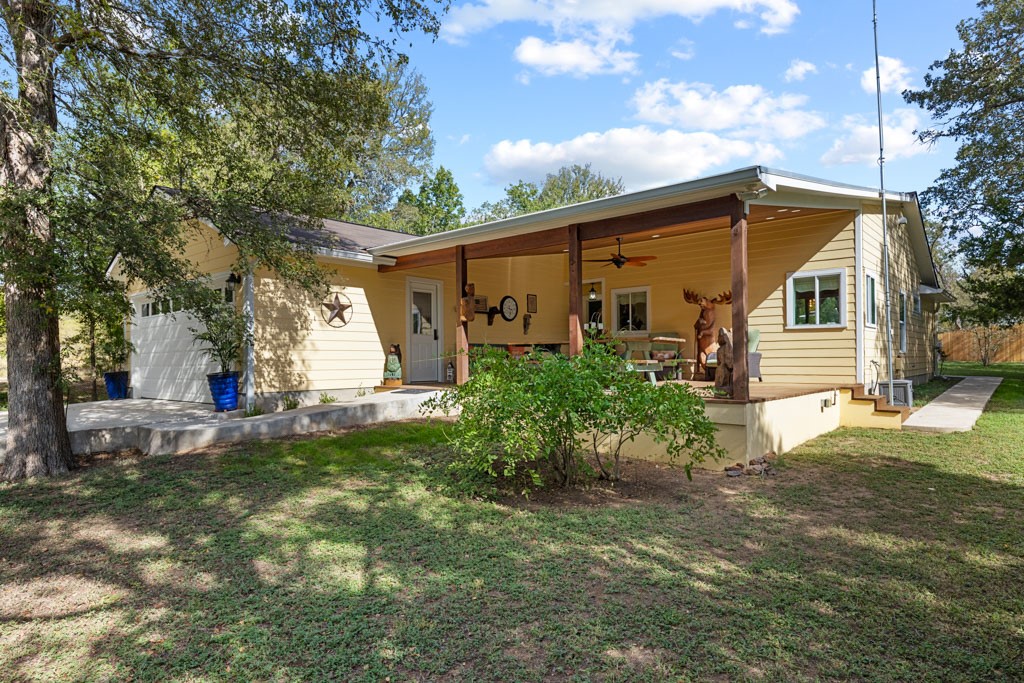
[{"x": 770, "y": 183}]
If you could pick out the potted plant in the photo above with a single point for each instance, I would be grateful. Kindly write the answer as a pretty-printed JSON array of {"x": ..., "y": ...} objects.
[
  {"x": 224, "y": 337},
  {"x": 113, "y": 351}
]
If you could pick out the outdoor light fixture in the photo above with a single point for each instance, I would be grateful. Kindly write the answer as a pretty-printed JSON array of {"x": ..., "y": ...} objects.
[
  {"x": 234, "y": 279},
  {"x": 593, "y": 294}
]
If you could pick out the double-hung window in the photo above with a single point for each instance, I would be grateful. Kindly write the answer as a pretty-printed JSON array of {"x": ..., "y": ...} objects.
[{"x": 816, "y": 298}]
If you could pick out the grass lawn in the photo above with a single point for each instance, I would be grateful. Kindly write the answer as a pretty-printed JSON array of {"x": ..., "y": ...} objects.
[{"x": 872, "y": 556}]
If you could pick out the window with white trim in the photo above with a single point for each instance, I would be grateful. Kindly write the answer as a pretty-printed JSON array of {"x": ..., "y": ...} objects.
[
  {"x": 816, "y": 298},
  {"x": 903, "y": 322},
  {"x": 917, "y": 304},
  {"x": 631, "y": 311},
  {"x": 870, "y": 300}
]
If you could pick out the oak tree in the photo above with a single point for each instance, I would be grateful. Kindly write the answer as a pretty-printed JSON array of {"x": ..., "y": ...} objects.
[{"x": 249, "y": 113}]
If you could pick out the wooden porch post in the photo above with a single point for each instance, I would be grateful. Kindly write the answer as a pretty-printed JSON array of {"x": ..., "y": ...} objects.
[
  {"x": 575, "y": 291},
  {"x": 738, "y": 249},
  {"x": 462, "y": 329}
]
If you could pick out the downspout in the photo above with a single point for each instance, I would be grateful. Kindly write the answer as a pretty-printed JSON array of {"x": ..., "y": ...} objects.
[
  {"x": 858, "y": 291},
  {"x": 249, "y": 311}
]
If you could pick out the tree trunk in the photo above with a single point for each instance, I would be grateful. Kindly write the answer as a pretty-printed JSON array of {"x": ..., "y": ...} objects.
[{"x": 37, "y": 436}]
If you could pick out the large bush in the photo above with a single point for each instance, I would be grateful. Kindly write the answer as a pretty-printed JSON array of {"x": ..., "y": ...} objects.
[{"x": 551, "y": 415}]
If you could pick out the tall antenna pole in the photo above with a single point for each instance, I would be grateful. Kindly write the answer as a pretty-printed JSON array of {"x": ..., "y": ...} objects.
[{"x": 881, "y": 193}]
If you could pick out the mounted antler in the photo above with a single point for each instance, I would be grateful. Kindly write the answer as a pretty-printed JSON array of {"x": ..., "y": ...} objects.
[
  {"x": 691, "y": 297},
  {"x": 723, "y": 298}
]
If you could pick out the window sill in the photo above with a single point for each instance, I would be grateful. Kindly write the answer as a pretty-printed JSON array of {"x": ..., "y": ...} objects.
[{"x": 797, "y": 328}]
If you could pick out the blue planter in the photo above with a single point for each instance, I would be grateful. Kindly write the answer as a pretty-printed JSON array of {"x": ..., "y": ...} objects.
[
  {"x": 117, "y": 384},
  {"x": 224, "y": 389}
]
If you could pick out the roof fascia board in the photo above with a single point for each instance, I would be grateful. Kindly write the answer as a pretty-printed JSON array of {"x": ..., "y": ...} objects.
[
  {"x": 598, "y": 209},
  {"x": 354, "y": 257},
  {"x": 789, "y": 198}
]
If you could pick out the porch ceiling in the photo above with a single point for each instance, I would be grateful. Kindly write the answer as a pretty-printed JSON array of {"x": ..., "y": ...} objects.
[
  {"x": 632, "y": 229},
  {"x": 760, "y": 216}
]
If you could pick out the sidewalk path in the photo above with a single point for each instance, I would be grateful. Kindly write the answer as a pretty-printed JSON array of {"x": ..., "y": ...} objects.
[{"x": 956, "y": 409}]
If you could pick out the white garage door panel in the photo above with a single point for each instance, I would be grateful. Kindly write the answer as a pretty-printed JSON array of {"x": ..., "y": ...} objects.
[{"x": 166, "y": 363}]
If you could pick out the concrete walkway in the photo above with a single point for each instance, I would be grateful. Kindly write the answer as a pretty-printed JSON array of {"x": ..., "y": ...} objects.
[
  {"x": 164, "y": 427},
  {"x": 956, "y": 409}
]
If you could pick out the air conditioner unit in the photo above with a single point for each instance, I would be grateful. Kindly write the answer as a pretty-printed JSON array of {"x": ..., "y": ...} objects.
[{"x": 902, "y": 392}]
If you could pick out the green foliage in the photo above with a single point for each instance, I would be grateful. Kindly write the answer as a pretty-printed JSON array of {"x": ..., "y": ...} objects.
[
  {"x": 398, "y": 153},
  {"x": 290, "y": 402},
  {"x": 973, "y": 95},
  {"x": 113, "y": 348},
  {"x": 224, "y": 333},
  {"x": 252, "y": 116},
  {"x": 516, "y": 414},
  {"x": 326, "y": 398},
  {"x": 437, "y": 207},
  {"x": 569, "y": 185},
  {"x": 255, "y": 411}
]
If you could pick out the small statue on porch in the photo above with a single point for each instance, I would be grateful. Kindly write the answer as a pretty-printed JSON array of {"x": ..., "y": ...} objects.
[
  {"x": 393, "y": 366},
  {"x": 723, "y": 373},
  {"x": 704, "y": 327}
]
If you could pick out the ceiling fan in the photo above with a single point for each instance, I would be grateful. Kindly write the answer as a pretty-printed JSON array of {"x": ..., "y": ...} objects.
[{"x": 618, "y": 260}]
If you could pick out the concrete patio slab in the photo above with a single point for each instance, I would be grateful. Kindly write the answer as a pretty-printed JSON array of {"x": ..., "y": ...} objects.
[
  {"x": 165, "y": 427},
  {"x": 956, "y": 409},
  {"x": 164, "y": 439}
]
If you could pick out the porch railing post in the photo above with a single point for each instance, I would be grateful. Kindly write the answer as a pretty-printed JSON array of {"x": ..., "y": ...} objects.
[
  {"x": 575, "y": 291},
  {"x": 738, "y": 250},
  {"x": 462, "y": 330}
]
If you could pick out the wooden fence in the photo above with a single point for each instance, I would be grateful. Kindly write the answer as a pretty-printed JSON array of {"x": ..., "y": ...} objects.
[{"x": 963, "y": 345}]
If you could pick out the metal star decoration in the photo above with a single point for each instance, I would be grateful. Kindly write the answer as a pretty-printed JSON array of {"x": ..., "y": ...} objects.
[{"x": 336, "y": 311}]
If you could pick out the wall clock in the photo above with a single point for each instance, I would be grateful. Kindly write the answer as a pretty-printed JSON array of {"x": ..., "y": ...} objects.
[{"x": 509, "y": 308}]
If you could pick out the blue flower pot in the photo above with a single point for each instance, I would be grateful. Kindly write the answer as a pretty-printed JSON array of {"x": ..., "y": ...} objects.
[
  {"x": 117, "y": 384},
  {"x": 224, "y": 389}
]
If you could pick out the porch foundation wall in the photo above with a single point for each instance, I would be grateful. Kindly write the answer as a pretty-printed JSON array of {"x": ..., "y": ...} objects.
[{"x": 747, "y": 431}]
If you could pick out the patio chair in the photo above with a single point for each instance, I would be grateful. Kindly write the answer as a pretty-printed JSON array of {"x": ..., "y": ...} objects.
[{"x": 753, "y": 358}]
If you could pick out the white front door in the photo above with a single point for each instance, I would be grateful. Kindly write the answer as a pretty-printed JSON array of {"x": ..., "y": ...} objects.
[{"x": 424, "y": 331}]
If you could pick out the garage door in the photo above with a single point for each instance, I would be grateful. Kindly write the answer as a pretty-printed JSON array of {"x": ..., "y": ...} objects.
[{"x": 166, "y": 364}]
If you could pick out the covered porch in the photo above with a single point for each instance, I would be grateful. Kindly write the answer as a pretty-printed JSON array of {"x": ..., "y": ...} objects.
[{"x": 702, "y": 245}]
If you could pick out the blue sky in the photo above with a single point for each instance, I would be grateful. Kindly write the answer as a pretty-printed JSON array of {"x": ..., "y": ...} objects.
[{"x": 660, "y": 91}]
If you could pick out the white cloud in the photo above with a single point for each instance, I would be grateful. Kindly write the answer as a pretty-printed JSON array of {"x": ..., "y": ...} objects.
[
  {"x": 643, "y": 157},
  {"x": 895, "y": 76},
  {"x": 575, "y": 57},
  {"x": 745, "y": 110},
  {"x": 775, "y": 15},
  {"x": 587, "y": 32},
  {"x": 798, "y": 70},
  {"x": 859, "y": 144},
  {"x": 684, "y": 50}
]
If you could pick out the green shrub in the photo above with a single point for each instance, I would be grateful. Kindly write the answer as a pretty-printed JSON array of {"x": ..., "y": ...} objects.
[
  {"x": 519, "y": 414},
  {"x": 290, "y": 402},
  {"x": 327, "y": 398}
]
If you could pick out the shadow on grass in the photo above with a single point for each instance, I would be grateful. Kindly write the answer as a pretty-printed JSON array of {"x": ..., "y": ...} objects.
[{"x": 338, "y": 558}]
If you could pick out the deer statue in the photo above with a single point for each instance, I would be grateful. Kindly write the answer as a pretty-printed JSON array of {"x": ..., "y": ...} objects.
[{"x": 704, "y": 327}]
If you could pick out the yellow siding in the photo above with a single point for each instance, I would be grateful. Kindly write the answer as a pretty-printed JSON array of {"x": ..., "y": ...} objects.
[
  {"x": 298, "y": 352},
  {"x": 205, "y": 248},
  {"x": 904, "y": 275}
]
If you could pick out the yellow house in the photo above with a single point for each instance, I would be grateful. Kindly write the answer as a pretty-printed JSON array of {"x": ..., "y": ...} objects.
[{"x": 802, "y": 257}]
